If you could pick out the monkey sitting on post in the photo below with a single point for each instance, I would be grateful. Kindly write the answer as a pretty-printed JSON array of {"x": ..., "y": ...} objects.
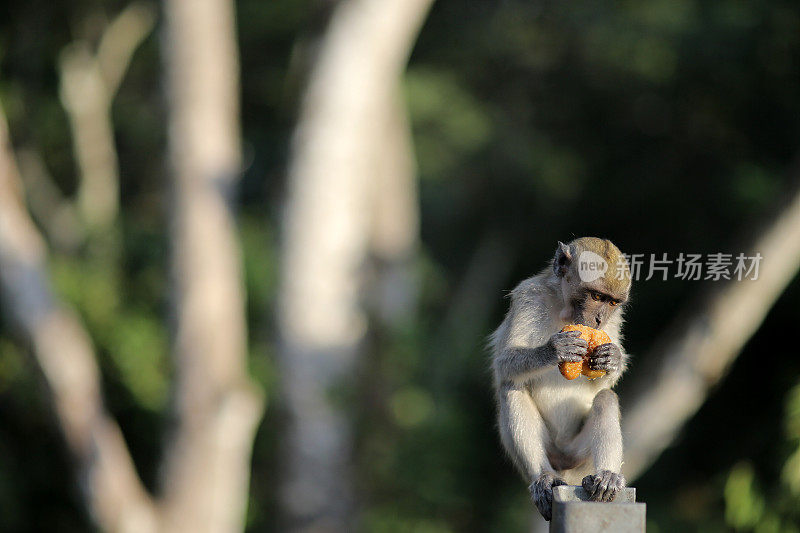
[{"x": 558, "y": 431}]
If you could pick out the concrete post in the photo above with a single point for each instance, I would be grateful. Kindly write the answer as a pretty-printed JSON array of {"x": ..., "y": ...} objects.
[{"x": 572, "y": 513}]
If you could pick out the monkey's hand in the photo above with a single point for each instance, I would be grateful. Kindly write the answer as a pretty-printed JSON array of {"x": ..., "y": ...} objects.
[
  {"x": 607, "y": 357},
  {"x": 567, "y": 347},
  {"x": 603, "y": 486},
  {"x": 542, "y": 493}
]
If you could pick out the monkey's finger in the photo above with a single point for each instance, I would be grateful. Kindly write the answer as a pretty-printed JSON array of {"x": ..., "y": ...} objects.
[
  {"x": 574, "y": 350},
  {"x": 546, "y": 511},
  {"x": 579, "y": 350},
  {"x": 602, "y": 485},
  {"x": 577, "y": 346},
  {"x": 542, "y": 493},
  {"x": 611, "y": 488},
  {"x": 611, "y": 484},
  {"x": 590, "y": 484},
  {"x": 544, "y": 504},
  {"x": 572, "y": 342},
  {"x": 576, "y": 340},
  {"x": 609, "y": 491},
  {"x": 575, "y": 334}
]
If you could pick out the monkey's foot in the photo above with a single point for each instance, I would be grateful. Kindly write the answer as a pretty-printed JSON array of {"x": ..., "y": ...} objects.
[
  {"x": 542, "y": 493},
  {"x": 603, "y": 486}
]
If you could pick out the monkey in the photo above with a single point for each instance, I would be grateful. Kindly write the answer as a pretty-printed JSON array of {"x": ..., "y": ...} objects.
[{"x": 557, "y": 431}]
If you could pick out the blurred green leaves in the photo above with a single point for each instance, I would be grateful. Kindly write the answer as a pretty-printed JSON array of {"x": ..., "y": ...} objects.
[
  {"x": 749, "y": 507},
  {"x": 623, "y": 49},
  {"x": 743, "y": 505},
  {"x": 133, "y": 338},
  {"x": 260, "y": 263},
  {"x": 12, "y": 364},
  {"x": 411, "y": 406},
  {"x": 791, "y": 470},
  {"x": 449, "y": 123},
  {"x": 138, "y": 346},
  {"x": 389, "y": 519},
  {"x": 666, "y": 16}
]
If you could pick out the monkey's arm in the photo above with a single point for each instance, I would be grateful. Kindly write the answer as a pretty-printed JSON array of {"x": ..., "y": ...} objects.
[
  {"x": 520, "y": 364},
  {"x": 522, "y": 348}
]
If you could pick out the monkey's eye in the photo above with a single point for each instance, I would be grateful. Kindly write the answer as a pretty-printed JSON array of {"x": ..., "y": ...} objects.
[
  {"x": 613, "y": 303},
  {"x": 596, "y": 296}
]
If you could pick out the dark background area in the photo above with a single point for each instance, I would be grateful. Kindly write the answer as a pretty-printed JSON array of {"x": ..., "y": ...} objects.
[{"x": 666, "y": 126}]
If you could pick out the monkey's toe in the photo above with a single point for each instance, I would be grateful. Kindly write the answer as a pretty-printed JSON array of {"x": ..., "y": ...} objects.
[
  {"x": 603, "y": 486},
  {"x": 589, "y": 484},
  {"x": 542, "y": 493}
]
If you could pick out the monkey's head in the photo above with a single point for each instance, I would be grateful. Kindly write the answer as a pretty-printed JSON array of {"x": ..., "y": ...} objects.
[{"x": 595, "y": 280}]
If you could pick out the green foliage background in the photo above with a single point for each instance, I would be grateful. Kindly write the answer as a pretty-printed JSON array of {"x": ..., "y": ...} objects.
[{"x": 665, "y": 125}]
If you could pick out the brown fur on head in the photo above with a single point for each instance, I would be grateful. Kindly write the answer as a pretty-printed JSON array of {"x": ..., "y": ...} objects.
[{"x": 595, "y": 280}]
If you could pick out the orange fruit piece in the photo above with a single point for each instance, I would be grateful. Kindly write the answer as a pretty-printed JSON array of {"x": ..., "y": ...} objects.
[
  {"x": 591, "y": 374},
  {"x": 594, "y": 338},
  {"x": 571, "y": 370}
]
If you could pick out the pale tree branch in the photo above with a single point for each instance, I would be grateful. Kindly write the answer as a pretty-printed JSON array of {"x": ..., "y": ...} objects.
[
  {"x": 207, "y": 464},
  {"x": 394, "y": 232},
  {"x": 88, "y": 84},
  {"x": 55, "y": 214},
  {"x": 115, "y": 495},
  {"x": 696, "y": 353},
  {"x": 120, "y": 40},
  {"x": 328, "y": 231},
  {"x": 217, "y": 407}
]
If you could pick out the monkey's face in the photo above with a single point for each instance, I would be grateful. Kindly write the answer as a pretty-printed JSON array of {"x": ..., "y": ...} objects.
[
  {"x": 590, "y": 303},
  {"x": 593, "y": 304}
]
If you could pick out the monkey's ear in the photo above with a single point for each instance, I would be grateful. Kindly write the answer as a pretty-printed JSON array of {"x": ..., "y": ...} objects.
[{"x": 562, "y": 259}]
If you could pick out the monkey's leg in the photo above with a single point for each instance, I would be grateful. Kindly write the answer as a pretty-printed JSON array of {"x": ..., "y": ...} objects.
[
  {"x": 601, "y": 439},
  {"x": 524, "y": 436}
]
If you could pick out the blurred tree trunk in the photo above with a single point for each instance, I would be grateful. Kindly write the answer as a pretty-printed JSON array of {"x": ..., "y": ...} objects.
[
  {"x": 115, "y": 496},
  {"x": 351, "y": 194},
  {"x": 217, "y": 408},
  {"x": 695, "y": 354},
  {"x": 88, "y": 83},
  {"x": 394, "y": 229}
]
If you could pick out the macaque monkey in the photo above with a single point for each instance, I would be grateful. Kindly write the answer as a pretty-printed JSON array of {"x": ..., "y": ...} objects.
[{"x": 557, "y": 431}]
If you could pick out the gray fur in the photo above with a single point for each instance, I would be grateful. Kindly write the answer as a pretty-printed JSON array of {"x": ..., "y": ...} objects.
[
  {"x": 561, "y": 347},
  {"x": 542, "y": 493},
  {"x": 555, "y": 430}
]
